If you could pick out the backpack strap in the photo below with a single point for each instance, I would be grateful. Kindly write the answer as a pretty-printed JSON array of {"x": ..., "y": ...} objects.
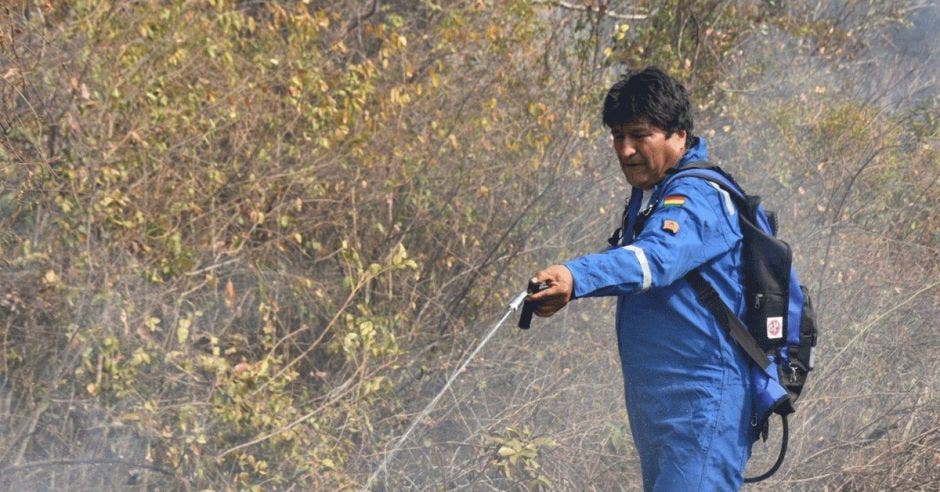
[
  {"x": 617, "y": 236},
  {"x": 711, "y": 173},
  {"x": 708, "y": 297}
]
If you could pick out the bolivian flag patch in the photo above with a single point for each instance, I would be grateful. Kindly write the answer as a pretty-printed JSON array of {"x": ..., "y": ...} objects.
[{"x": 674, "y": 201}]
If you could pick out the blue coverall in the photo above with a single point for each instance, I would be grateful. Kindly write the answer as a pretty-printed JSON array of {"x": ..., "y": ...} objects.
[{"x": 686, "y": 382}]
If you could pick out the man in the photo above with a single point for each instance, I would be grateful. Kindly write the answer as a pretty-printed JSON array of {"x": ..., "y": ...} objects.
[{"x": 686, "y": 381}]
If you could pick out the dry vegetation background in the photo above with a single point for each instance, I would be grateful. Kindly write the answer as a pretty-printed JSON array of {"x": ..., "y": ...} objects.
[{"x": 244, "y": 242}]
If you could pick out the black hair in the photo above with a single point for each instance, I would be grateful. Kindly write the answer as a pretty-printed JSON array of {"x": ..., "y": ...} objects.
[{"x": 650, "y": 94}]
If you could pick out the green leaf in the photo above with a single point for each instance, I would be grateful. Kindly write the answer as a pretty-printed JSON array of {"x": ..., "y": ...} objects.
[{"x": 182, "y": 331}]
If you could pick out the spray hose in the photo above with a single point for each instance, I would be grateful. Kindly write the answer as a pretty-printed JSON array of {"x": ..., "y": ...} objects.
[{"x": 528, "y": 308}]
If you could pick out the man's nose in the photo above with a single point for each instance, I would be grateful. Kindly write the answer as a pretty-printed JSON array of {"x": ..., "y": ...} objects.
[{"x": 625, "y": 149}]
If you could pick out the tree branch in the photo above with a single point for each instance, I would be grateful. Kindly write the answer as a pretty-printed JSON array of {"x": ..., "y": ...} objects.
[
  {"x": 602, "y": 9},
  {"x": 40, "y": 464}
]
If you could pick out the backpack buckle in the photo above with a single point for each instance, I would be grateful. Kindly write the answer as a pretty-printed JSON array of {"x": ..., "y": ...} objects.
[
  {"x": 761, "y": 428},
  {"x": 614, "y": 239}
]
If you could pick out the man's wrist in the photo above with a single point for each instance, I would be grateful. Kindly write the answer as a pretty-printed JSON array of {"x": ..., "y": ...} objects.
[{"x": 574, "y": 280}]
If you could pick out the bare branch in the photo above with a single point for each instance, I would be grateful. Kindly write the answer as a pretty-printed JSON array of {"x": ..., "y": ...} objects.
[
  {"x": 602, "y": 9},
  {"x": 40, "y": 464}
]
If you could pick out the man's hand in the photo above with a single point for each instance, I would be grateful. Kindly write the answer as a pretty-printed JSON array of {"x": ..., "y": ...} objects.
[{"x": 556, "y": 296}]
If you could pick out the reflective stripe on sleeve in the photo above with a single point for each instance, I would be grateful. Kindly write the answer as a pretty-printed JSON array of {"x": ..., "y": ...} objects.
[
  {"x": 644, "y": 265},
  {"x": 728, "y": 203}
]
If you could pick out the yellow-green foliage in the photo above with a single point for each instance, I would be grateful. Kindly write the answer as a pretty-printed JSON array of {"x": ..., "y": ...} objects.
[
  {"x": 517, "y": 451},
  {"x": 253, "y": 206}
]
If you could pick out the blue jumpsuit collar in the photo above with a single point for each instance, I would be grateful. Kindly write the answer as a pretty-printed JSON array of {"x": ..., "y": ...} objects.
[{"x": 698, "y": 151}]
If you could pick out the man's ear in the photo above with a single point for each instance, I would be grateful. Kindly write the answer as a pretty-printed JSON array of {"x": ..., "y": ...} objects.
[{"x": 684, "y": 136}]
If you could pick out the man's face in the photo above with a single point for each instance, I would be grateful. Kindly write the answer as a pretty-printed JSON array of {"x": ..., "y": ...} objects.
[{"x": 645, "y": 152}]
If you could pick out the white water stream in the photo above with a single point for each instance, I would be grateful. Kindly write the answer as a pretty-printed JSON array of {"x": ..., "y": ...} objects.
[{"x": 514, "y": 305}]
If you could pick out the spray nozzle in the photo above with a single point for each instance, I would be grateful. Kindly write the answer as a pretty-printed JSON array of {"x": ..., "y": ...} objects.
[
  {"x": 528, "y": 307},
  {"x": 517, "y": 301}
]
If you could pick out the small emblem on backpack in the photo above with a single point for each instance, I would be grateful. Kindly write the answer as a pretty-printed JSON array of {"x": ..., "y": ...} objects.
[
  {"x": 671, "y": 226},
  {"x": 775, "y": 327}
]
